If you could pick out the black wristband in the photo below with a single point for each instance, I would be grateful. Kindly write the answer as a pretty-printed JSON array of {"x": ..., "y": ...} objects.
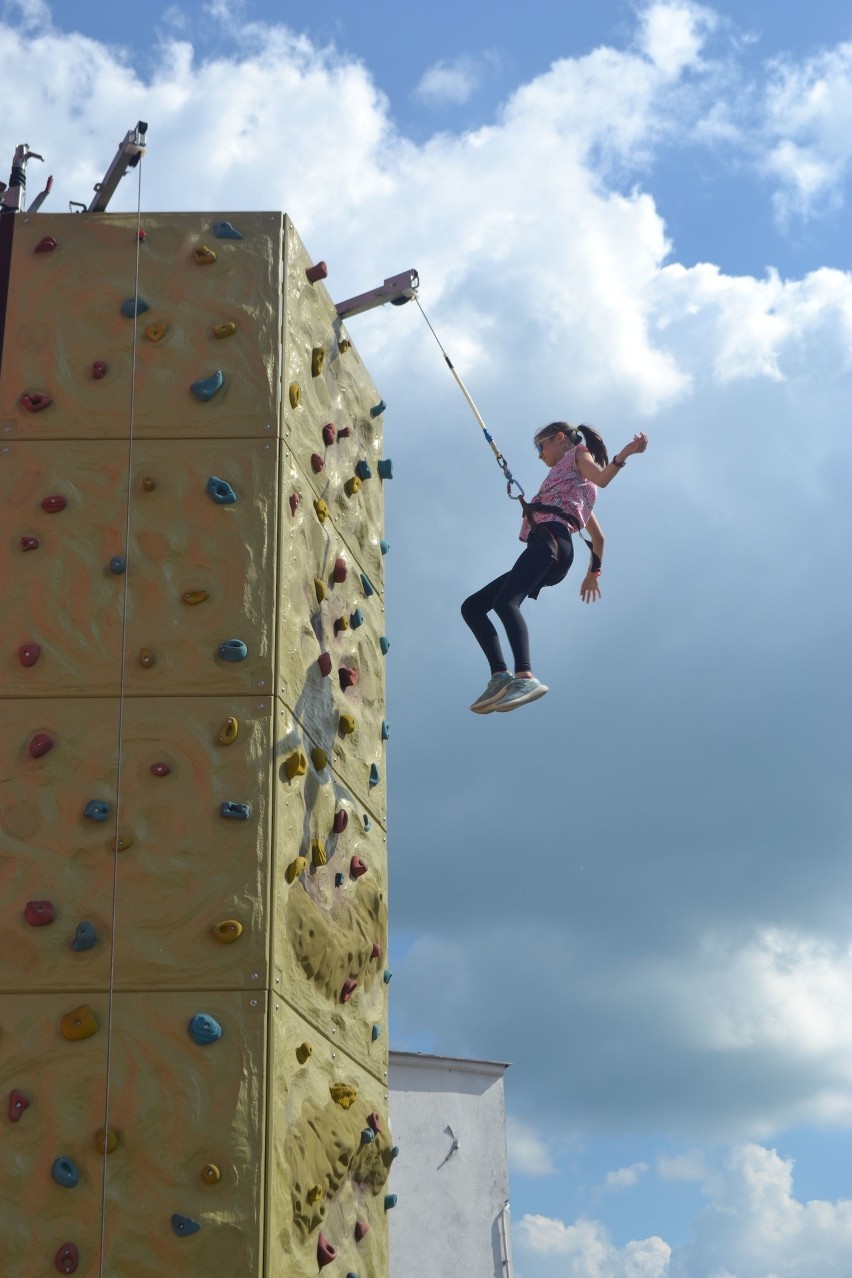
[
  {"x": 596, "y": 563},
  {"x": 619, "y": 464}
]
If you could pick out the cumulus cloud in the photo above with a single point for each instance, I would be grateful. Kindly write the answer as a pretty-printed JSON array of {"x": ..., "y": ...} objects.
[
  {"x": 673, "y": 35},
  {"x": 528, "y": 1153},
  {"x": 455, "y": 82},
  {"x": 585, "y": 1249},
  {"x": 625, "y": 1177}
]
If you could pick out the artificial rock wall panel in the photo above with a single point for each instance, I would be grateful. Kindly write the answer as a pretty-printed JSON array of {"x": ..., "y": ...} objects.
[{"x": 192, "y": 814}]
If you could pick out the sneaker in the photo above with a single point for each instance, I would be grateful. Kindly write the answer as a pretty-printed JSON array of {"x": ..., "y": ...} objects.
[
  {"x": 519, "y": 692},
  {"x": 497, "y": 686}
]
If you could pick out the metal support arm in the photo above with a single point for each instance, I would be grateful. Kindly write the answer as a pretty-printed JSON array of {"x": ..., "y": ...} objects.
[
  {"x": 129, "y": 153},
  {"x": 398, "y": 290}
]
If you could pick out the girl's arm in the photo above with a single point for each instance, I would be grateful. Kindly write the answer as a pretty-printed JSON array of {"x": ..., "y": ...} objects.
[
  {"x": 589, "y": 588},
  {"x": 602, "y": 475}
]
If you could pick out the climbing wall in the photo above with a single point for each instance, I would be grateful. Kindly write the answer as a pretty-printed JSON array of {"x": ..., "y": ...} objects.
[{"x": 193, "y": 992}]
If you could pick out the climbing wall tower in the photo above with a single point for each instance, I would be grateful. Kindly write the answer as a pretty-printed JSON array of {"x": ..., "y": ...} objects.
[{"x": 192, "y": 796}]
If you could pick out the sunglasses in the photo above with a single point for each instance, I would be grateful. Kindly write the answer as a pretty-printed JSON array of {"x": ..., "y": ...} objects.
[{"x": 539, "y": 445}]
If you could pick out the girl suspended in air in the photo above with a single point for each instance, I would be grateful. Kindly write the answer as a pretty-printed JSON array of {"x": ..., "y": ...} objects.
[{"x": 578, "y": 466}]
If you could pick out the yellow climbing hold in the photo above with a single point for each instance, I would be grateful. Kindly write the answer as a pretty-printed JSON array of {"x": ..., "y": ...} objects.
[
  {"x": 343, "y": 345},
  {"x": 155, "y": 332},
  {"x": 224, "y": 330},
  {"x": 343, "y": 1095},
  {"x": 317, "y": 852},
  {"x": 303, "y": 1051},
  {"x": 342, "y": 623},
  {"x": 296, "y": 765},
  {"x": 314, "y": 1194},
  {"x": 320, "y": 589},
  {"x": 146, "y": 658},
  {"x": 203, "y": 255},
  {"x": 106, "y": 1142},
  {"x": 149, "y": 483},
  {"x": 352, "y": 486},
  {"x": 123, "y": 842},
  {"x": 211, "y": 1174},
  {"x": 195, "y": 596},
  {"x": 317, "y": 360},
  {"x": 227, "y": 931},
  {"x": 295, "y": 395},
  {"x": 295, "y": 868},
  {"x": 319, "y": 758},
  {"x": 80, "y": 1023},
  {"x": 321, "y": 508},
  {"x": 228, "y": 731},
  {"x": 347, "y": 723}
]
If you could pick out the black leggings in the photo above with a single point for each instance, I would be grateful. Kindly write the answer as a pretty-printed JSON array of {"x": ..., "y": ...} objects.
[{"x": 539, "y": 565}]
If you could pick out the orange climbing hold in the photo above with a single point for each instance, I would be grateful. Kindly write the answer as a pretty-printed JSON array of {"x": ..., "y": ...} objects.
[
  {"x": 106, "y": 1142},
  {"x": 155, "y": 332},
  {"x": 79, "y": 1023}
]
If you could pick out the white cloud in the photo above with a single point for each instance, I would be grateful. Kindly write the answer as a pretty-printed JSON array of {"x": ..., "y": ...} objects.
[
  {"x": 684, "y": 1167},
  {"x": 673, "y": 35},
  {"x": 625, "y": 1177},
  {"x": 587, "y": 1251},
  {"x": 452, "y": 82},
  {"x": 528, "y": 1154}
]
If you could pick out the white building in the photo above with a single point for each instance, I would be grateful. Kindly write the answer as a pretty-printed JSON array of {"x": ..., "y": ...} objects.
[{"x": 451, "y": 1177}]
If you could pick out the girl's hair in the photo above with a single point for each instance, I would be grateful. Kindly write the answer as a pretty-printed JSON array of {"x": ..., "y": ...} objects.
[{"x": 577, "y": 435}]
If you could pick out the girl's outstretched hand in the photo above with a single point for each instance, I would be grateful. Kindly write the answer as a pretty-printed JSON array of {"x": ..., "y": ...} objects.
[
  {"x": 638, "y": 444},
  {"x": 590, "y": 590}
]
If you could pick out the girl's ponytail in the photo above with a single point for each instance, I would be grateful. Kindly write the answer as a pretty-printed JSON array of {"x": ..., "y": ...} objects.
[{"x": 595, "y": 444}]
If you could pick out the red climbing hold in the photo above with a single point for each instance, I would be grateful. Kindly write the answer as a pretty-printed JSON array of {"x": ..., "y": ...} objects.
[
  {"x": 357, "y": 867},
  {"x": 99, "y": 370},
  {"x": 376, "y": 951},
  {"x": 36, "y": 402},
  {"x": 316, "y": 273},
  {"x": 329, "y": 431},
  {"x": 40, "y": 745},
  {"x": 361, "y": 1230},
  {"x": 29, "y": 654},
  {"x": 350, "y": 985},
  {"x": 67, "y": 1259},
  {"x": 160, "y": 769},
  {"x": 344, "y": 432},
  {"x": 18, "y": 1102},
  {"x": 53, "y": 504},
  {"x": 324, "y": 663},
  {"x": 45, "y": 245},
  {"x": 326, "y": 1253},
  {"x": 29, "y": 543},
  {"x": 374, "y": 1121},
  {"x": 341, "y": 820},
  {"x": 141, "y": 236},
  {"x": 39, "y": 913},
  {"x": 340, "y": 570},
  {"x": 317, "y": 463},
  {"x": 294, "y": 502},
  {"x": 348, "y": 677}
]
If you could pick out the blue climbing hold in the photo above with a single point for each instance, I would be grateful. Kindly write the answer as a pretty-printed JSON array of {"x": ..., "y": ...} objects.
[
  {"x": 378, "y": 409},
  {"x": 233, "y": 650},
  {"x": 225, "y": 231},
  {"x": 65, "y": 1173},
  {"x": 118, "y": 565},
  {"x": 221, "y": 491},
  {"x": 362, "y": 470},
  {"x": 376, "y": 1032},
  {"x": 96, "y": 810},
  {"x": 386, "y": 976},
  {"x": 384, "y": 546},
  {"x": 339, "y": 880},
  {"x": 367, "y": 1136},
  {"x": 384, "y": 644},
  {"x": 184, "y": 1225},
  {"x": 391, "y": 1200},
  {"x": 85, "y": 938},
  {"x": 367, "y": 584},
  {"x": 133, "y": 306},
  {"x": 204, "y": 1029},
  {"x": 206, "y": 387},
  {"x": 368, "y": 825},
  {"x": 236, "y": 811},
  {"x": 385, "y": 729},
  {"x": 386, "y": 468},
  {"x": 374, "y": 775},
  {"x": 356, "y": 619},
  {"x": 395, "y": 1152}
]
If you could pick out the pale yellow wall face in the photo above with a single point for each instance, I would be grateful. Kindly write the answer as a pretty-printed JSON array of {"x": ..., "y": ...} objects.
[{"x": 191, "y": 911}]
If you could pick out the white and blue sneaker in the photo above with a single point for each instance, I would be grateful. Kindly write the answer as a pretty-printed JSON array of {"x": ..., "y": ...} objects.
[
  {"x": 497, "y": 687},
  {"x": 519, "y": 692}
]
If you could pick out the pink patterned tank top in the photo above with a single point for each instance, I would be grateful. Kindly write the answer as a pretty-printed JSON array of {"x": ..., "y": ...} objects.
[{"x": 566, "y": 488}]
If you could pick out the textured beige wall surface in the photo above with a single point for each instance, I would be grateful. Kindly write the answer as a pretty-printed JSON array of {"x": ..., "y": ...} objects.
[{"x": 281, "y": 570}]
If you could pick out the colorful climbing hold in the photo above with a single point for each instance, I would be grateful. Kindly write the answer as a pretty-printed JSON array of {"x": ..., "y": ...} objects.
[
  {"x": 344, "y": 432},
  {"x": 386, "y": 976},
  {"x": 385, "y": 468},
  {"x": 228, "y": 731},
  {"x": 295, "y": 499},
  {"x": 347, "y": 724},
  {"x": 347, "y": 676},
  {"x": 391, "y": 1200},
  {"x": 321, "y": 507},
  {"x": 232, "y": 650},
  {"x": 314, "y": 1194},
  {"x": 228, "y": 931},
  {"x": 193, "y": 597},
  {"x": 303, "y": 1052},
  {"x": 367, "y": 822},
  {"x": 221, "y": 331},
  {"x": 319, "y": 758},
  {"x": 316, "y": 273},
  {"x": 357, "y": 867},
  {"x": 18, "y": 1102},
  {"x": 376, "y": 951},
  {"x": 221, "y": 491},
  {"x": 96, "y": 810},
  {"x": 147, "y": 658},
  {"x": 160, "y": 769},
  {"x": 320, "y": 589},
  {"x": 340, "y": 822},
  {"x": 350, "y": 985},
  {"x": 295, "y": 868},
  {"x": 235, "y": 811},
  {"x": 317, "y": 463},
  {"x": 329, "y": 432},
  {"x": 99, "y": 370},
  {"x": 40, "y": 745},
  {"x": 141, "y": 235},
  {"x": 67, "y": 1258},
  {"x": 133, "y": 306},
  {"x": 339, "y": 880},
  {"x": 204, "y": 1029},
  {"x": 46, "y": 244},
  {"x": 53, "y": 504},
  {"x": 79, "y": 1023},
  {"x": 65, "y": 1173},
  {"x": 206, "y": 387},
  {"x": 361, "y": 1230},
  {"x": 296, "y": 765},
  {"x": 29, "y": 543},
  {"x": 341, "y": 624},
  {"x": 39, "y": 913},
  {"x": 344, "y": 345},
  {"x": 352, "y": 486},
  {"x": 211, "y": 1174},
  {"x": 341, "y": 568},
  {"x": 118, "y": 565},
  {"x": 318, "y": 856},
  {"x": 149, "y": 483},
  {"x": 295, "y": 395},
  {"x": 362, "y": 470},
  {"x": 343, "y": 1095},
  {"x": 374, "y": 1121},
  {"x": 385, "y": 730},
  {"x": 35, "y": 401},
  {"x": 156, "y": 332},
  {"x": 106, "y": 1141},
  {"x": 374, "y": 775},
  {"x": 356, "y": 618},
  {"x": 376, "y": 1032},
  {"x": 367, "y": 1137},
  {"x": 367, "y": 585},
  {"x": 384, "y": 644},
  {"x": 123, "y": 842},
  {"x": 317, "y": 360},
  {"x": 378, "y": 409},
  {"x": 85, "y": 938},
  {"x": 203, "y": 255},
  {"x": 184, "y": 1225},
  {"x": 324, "y": 663},
  {"x": 384, "y": 546},
  {"x": 326, "y": 1253},
  {"x": 225, "y": 231}
]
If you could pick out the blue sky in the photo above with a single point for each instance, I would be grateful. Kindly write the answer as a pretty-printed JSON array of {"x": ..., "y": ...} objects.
[{"x": 637, "y": 890}]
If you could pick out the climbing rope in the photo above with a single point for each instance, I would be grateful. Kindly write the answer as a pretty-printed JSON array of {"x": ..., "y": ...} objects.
[{"x": 511, "y": 482}]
